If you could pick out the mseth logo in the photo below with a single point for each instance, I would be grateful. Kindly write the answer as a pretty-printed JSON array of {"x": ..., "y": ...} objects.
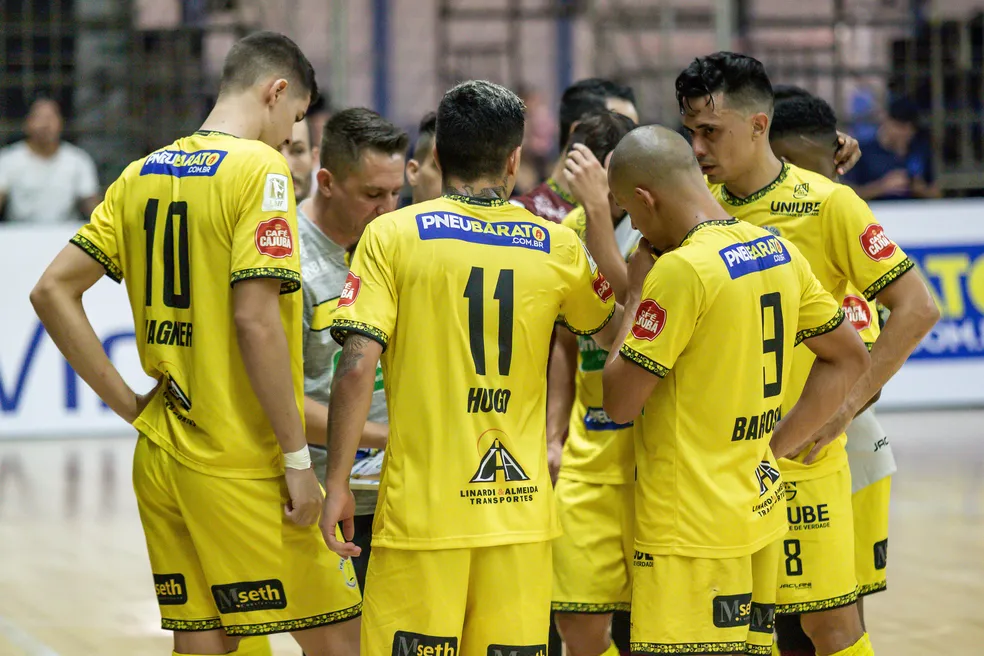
[
  {"x": 171, "y": 589},
  {"x": 406, "y": 643},
  {"x": 249, "y": 596}
]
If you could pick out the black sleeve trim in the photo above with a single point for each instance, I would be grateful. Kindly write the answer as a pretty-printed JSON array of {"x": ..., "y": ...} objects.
[
  {"x": 638, "y": 358},
  {"x": 837, "y": 320},
  {"x": 114, "y": 272},
  {"x": 291, "y": 279},
  {"x": 342, "y": 328},
  {"x": 591, "y": 332},
  {"x": 876, "y": 287}
]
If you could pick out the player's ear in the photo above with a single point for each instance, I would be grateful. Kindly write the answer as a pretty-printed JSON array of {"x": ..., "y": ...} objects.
[
  {"x": 760, "y": 126},
  {"x": 276, "y": 90},
  {"x": 646, "y": 197},
  {"x": 413, "y": 168},
  {"x": 512, "y": 164},
  {"x": 325, "y": 178}
]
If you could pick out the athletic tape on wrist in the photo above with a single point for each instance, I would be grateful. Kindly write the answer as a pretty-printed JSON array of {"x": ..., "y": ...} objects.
[{"x": 298, "y": 459}]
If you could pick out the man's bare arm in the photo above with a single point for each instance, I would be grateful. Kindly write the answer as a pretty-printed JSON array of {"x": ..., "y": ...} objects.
[
  {"x": 841, "y": 359},
  {"x": 561, "y": 370},
  {"x": 351, "y": 397},
  {"x": 263, "y": 344},
  {"x": 57, "y": 300},
  {"x": 316, "y": 427}
]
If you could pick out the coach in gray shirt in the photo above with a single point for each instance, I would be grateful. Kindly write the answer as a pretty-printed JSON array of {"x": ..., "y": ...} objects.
[{"x": 362, "y": 157}]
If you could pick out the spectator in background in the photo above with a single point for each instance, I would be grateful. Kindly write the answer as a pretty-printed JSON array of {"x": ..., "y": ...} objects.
[
  {"x": 423, "y": 176},
  {"x": 318, "y": 114},
  {"x": 44, "y": 179},
  {"x": 538, "y": 141},
  {"x": 301, "y": 157},
  {"x": 897, "y": 162}
]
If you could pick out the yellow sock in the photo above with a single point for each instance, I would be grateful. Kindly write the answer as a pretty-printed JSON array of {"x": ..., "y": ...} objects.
[
  {"x": 611, "y": 651},
  {"x": 860, "y": 648},
  {"x": 254, "y": 646}
]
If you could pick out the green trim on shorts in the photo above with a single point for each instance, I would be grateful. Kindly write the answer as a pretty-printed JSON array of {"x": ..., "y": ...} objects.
[
  {"x": 191, "y": 625},
  {"x": 816, "y": 606},
  {"x": 684, "y": 648},
  {"x": 872, "y": 588},
  {"x": 758, "y": 650},
  {"x": 588, "y": 609},
  {"x": 288, "y": 626}
]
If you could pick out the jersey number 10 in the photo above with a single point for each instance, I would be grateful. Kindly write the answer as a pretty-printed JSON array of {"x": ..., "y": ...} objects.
[
  {"x": 475, "y": 293},
  {"x": 177, "y": 289}
]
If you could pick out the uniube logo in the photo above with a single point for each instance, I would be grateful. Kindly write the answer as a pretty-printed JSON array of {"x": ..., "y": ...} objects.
[{"x": 14, "y": 382}]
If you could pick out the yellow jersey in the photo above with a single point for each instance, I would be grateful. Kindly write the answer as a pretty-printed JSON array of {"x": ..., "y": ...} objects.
[
  {"x": 719, "y": 318},
  {"x": 598, "y": 450},
  {"x": 844, "y": 245},
  {"x": 182, "y": 226},
  {"x": 463, "y": 293}
]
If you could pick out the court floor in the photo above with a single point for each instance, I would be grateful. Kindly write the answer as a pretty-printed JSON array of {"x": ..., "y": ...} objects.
[{"x": 75, "y": 581}]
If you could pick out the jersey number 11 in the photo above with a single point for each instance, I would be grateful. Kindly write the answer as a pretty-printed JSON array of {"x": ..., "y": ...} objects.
[{"x": 475, "y": 293}]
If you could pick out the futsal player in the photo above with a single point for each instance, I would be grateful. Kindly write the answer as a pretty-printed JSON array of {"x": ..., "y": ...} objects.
[
  {"x": 459, "y": 296},
  {"x": 592, "y": 560},
  {"x": 360, "y": 177},
  {"x": 803, "y": 133},
  {"x": 552, "y": 200},
  {"x": 726, "y": 101},
  {"x": 204, "y": 233},
  {"x": 702, "y": 367},
  {"x": 423, "y": 176}
]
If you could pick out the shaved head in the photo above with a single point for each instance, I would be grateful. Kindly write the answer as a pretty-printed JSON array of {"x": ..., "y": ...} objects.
[
  {"x": 652, "y": 157},
  {"x": 654, "y": 176}
]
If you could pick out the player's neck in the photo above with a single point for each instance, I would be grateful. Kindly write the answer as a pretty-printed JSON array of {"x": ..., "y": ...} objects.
[
  {"x": 692, "y": 210},
  {"x": 488, "y": 188},
  {"x": 766, "y": 169},
  {"x": 335, "y": 228},
  {"x": 228, "y": 116}
]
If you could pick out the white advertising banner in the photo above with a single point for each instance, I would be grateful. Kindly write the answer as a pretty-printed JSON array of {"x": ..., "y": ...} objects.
[{"x": 40, "y": 395}]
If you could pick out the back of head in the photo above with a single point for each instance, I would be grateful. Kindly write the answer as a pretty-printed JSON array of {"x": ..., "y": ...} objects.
[
  {"x": 655, "y": 158},
  {"x": 601, "y": 132},
  {"x": 741, "y": 80},
  {"x": 351, "y": 132},
  {"x": 425, "y": 136},
  {"x": 803, "y": 115},
  {"x": 587, "y": 96},
  {"x": 479, "y": 124},
  {"x": 264, "y": 55}
]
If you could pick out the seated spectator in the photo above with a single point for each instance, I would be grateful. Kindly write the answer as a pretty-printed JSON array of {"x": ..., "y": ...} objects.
[
  {"x": 897, "y": 162},
  {"x": 44, "y": 179}
]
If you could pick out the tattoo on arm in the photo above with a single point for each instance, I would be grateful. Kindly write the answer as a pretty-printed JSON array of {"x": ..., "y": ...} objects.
[{"x": 351, "y": 354}]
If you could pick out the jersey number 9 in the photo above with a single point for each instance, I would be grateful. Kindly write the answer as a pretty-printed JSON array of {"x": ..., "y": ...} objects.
[{"x": 772, "y": 344}]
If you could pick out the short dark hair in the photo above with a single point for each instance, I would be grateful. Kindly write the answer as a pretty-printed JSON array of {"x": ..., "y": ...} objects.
[
  {"x": 904, "y": 110},
  {"x": 740, "y": 78},
  {"x": 601, "y": 132},
  {"x": 781, "y": 92},
  {"x": 351, "y": 132},
  {"x": 425, "y": 136},
  {"x": 479, "y": 124},
  {"x": 806, "y": 115},
  {"x": 267, "y": 53},
  {"x": 586, "y": 96}
]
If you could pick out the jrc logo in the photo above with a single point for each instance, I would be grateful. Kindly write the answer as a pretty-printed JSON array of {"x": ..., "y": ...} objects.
[{"x": 876, "y": 243}]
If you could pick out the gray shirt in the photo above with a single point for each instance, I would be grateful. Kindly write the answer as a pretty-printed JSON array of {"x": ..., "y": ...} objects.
[{"x": 323, "y": 273}]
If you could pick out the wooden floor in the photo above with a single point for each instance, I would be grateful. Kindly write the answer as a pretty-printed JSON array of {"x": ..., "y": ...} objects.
[{"x": 75, "y": 581}]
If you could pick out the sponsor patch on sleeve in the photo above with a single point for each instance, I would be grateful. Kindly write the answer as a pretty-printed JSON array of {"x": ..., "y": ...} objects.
[
  {"x": 350, "y": 291},
  {"x": 274, "y": 238},
  {"x": 876, "y": 243},
  {"x": 602, "y": 287},
  {"x": 858, "y": 312},
  {"x": 649, "y": 320},
  {"x": 275, "y": 193}
]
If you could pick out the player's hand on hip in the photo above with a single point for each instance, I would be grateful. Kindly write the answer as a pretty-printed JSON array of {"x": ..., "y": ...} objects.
[
  {"x": 555, "y": 453},
  {"x": 305, "y": 496},
  {"x": 141, "y": 401},
  {"x": 829, "y": 432},
  {"x": 339, "y": 508},
  {"x": 586, "y": 176},
  {"x": 847, "y": 154}
]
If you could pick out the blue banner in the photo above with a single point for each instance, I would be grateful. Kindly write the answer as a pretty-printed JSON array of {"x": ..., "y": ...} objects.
[{"x": 956, "y": 277}]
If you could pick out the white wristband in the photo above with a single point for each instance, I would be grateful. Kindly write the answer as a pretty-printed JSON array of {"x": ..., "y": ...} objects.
[{"x": 298, "y": 459}]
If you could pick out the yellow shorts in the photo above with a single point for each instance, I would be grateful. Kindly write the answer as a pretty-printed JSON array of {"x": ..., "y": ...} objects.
[
  {"x": 592, "y": 560},
  {"x": 871, "y": 535},
  {"x": 816, "y": 571},
  {"x": 704, "y": 605},
  {"x": 224, "y": 555},
  {"x": 488, "y": 601}
]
